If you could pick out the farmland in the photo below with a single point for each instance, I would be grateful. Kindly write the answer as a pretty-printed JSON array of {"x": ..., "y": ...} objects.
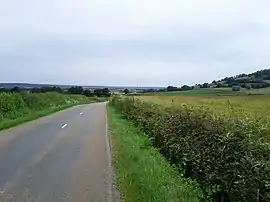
[
  {"x": 220, "y": 92},
  {"x": 207, "y": 91},
  {"x": 254, "y": 105}
]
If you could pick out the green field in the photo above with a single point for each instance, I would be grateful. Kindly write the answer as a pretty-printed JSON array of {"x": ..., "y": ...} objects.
[{"x": 265, "y": 91}]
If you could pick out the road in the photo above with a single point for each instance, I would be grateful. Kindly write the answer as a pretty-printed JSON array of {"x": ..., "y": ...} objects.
[{"x": 61, "y": 157}]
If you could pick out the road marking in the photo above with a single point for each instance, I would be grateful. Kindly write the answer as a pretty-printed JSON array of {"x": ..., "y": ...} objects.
[
  {"x": 64, "y": 126},
  {"x": 81, "y": 113}
]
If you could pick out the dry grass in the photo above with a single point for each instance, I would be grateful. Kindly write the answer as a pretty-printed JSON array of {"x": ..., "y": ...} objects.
[{"x": 258, "y": 105}]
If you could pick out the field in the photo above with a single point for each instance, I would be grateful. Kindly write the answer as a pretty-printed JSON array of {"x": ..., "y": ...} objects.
[
  {"x": 254, "y": 105},
  {"x": 219, "y": 92},
  {"x": 206, "y": 91}
]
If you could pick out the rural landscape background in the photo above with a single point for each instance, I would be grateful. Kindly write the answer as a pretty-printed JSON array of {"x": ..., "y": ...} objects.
[
  {"x": 184, "y": 91},
  {"x": 213, "y": 137},
  {"x": 215, "y": 134}
]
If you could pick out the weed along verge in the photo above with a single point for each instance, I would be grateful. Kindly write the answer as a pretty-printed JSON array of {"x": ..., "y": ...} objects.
[
  {"x": 142, "y": 173},
  {"x": 227, "y": 156}
]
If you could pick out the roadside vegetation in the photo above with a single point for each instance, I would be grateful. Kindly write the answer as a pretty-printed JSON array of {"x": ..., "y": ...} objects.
[
  {"x": 143, "y": 174},
  {"x": 16, "y": 108},
  {"x": 228, "y": 154}
]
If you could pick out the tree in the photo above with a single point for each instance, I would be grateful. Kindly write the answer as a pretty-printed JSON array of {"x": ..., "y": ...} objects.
[
  {"x": 57, "y": 89},
  {"x": 205, "y": 85},
  {"x": 126, "y": 91},
  {"x": 87, "y": 93},
  {"x": 3, "y": 90},
  {"x": 186, "y": 87},
  {"x": 172, "y": 88},
  {"x": 15, "y": 89},
  {"x": 98, "y": 92},
  {"x": 76, "y": 90},
  {"x": 106, "y": 92},
  {"x": 242, "y": 85}
]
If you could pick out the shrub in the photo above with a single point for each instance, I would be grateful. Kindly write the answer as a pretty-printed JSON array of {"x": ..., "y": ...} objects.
[
  {"x": 225, "y": 155},
  {"x": 11, "y": 105}
]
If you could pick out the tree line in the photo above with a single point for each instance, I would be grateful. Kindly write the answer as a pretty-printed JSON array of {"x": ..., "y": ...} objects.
[
  {"x": 187, "y": 87},
  {"x": 77, "y": 90}
]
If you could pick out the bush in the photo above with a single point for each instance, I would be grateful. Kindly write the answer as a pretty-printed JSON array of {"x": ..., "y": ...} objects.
[
  {"x": 11, "y": 105},
  {"x": 227, "y": 156}
]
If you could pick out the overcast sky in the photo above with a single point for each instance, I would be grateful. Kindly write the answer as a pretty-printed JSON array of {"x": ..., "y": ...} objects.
[{"x": 135, "y": 43}]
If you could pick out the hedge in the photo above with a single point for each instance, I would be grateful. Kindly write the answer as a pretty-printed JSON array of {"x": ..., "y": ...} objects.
[{"x": 15, "y": 105}]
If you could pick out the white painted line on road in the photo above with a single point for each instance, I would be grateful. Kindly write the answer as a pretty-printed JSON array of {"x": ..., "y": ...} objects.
[
  {"x": 64, "y": 126},
  {"x": 81, "y": 113}
]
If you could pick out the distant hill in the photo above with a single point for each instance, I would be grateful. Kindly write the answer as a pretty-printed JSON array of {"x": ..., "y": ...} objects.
[
  {"x": 256, "y": 80},
  {"x": 242, "y": 82}
]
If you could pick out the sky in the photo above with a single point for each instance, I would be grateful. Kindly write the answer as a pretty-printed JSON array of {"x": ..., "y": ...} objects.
[{"x": 132, "y": 43}]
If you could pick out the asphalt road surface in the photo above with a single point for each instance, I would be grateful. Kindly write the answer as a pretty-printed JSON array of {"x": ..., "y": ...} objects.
[{"x": 61, "y": 157}]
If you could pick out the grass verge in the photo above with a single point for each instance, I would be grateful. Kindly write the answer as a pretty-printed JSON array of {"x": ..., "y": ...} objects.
[{"x": 142, "y": 172}]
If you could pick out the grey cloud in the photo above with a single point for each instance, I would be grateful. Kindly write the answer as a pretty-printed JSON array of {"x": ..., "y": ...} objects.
[{"x": 76, "y": 42}]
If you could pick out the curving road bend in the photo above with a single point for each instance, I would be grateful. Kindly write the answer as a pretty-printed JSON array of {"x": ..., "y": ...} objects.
[{"x": 61, "y": 157}]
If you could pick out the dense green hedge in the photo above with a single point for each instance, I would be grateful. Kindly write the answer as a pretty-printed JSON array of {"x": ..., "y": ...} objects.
[
  {"x": 225, "y": 155},
  {"x": 15, "y": 105}
]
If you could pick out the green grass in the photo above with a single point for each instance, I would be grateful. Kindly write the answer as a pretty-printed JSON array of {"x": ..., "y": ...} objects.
[
  {"x": 143, "y": 174},
  {"x": 265, "y": 91}
]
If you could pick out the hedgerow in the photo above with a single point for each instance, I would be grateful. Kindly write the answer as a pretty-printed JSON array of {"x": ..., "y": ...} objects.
[
  {"x": 227, "y": 156},
  {"x": 15, "y": 105}
]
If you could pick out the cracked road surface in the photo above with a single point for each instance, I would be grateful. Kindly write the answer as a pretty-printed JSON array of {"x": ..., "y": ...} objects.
[{"x": 61, "y": 157}]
